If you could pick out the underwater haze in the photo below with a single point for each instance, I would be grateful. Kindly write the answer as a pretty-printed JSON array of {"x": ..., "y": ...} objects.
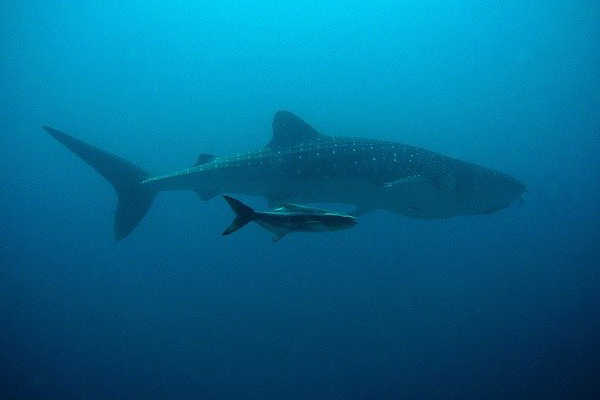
[{"x": 495, "y": 306}]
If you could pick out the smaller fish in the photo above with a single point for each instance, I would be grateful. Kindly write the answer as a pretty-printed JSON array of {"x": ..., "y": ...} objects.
[{"x": 288, "y": 218}]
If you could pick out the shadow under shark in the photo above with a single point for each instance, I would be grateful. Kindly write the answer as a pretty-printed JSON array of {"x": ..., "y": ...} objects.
[{"x": 302, "y": 165}]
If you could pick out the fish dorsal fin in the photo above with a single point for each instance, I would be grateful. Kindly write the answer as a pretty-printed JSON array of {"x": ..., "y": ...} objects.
[
  {"x": 289, "y": 130},
  {"x": 203, "y": 159},
  {"x": 301, "y": 209}
]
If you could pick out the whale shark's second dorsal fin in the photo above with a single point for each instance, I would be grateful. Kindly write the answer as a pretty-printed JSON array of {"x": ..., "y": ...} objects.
[
  {"x": 203, "y": 159},
  {"x": 290, "y": 130}
]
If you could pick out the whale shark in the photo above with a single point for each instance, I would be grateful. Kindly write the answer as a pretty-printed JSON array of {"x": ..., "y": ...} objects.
[
  {"x": 302, "y": 165},
  {"x": 288, "y": 218}
]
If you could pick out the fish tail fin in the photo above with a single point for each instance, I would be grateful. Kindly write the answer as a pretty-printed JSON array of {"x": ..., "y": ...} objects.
[
  {"x": 134, "y": 199},
  {"x": 243, "y": 214}
]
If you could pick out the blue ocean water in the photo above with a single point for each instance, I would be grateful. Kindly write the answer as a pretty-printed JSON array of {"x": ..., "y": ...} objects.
[{"x": 486, "y": 306}]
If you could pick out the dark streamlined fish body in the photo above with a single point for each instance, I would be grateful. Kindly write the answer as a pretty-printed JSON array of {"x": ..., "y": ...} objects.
[
  {"x": 301, "y": 165},
  {"x": 288, "y": 218}
]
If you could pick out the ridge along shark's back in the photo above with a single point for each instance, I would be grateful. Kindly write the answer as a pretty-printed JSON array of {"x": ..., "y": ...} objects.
[{"x": 301, "y": 165}]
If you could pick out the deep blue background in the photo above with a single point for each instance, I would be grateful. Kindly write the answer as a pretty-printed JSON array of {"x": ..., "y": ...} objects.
[{"x": 471, "y": 307}]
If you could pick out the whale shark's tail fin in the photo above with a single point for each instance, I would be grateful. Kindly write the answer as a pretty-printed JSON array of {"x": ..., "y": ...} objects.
[
  {"x": 243, "y": 214},
  {"x": 134, "y": 199}
]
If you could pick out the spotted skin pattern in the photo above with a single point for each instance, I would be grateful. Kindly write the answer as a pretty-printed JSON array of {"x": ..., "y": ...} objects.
[
  {"x": 370, "y": 174},
  {"x": 301, "y": 165}
]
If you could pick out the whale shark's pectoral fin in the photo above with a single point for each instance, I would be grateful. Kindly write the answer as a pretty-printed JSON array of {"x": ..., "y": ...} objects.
[
  {"x": 444, "y": 182},
  {"x": 412, "y": 185},
  {"x": 405, "y": 182},
  {"x": 422, "y": 186}
]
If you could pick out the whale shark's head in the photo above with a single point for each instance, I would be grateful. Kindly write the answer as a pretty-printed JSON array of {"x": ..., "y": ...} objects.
[{"x": 487, "y": 191}]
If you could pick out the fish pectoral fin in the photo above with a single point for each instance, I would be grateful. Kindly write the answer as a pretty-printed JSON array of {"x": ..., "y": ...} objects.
[
  {"x": 278, "y": 235},
  {"x": 205, "y": 195},
  {"x": 302, "y": 209},
  {"x": 277, "y": 231}
]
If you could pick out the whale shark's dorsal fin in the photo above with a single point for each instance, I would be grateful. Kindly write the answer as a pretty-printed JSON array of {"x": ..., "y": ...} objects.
[{"x": 290, "y": 130}]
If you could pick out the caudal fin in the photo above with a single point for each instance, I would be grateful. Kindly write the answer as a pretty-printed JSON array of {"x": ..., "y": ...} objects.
[
  {"x": 134, "y": 199},
  {"x": 243, "y": 214}
]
